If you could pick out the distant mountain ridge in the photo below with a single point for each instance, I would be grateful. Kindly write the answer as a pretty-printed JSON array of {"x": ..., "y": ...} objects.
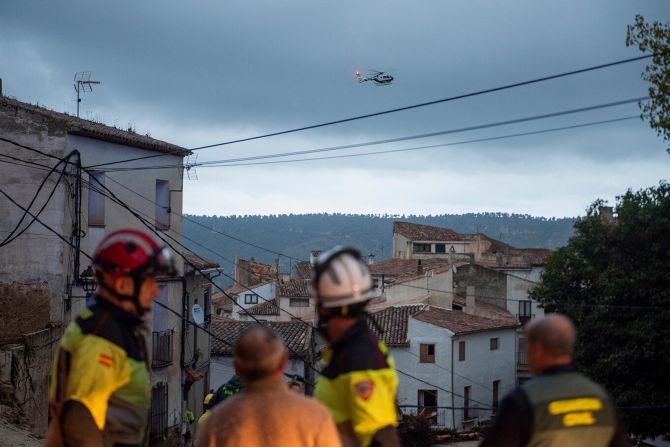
[{"x": 295, "y": 235}]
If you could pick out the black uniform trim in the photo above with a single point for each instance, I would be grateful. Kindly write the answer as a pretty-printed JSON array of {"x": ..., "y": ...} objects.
[
  {"x": 114, "y": 325},
  {"x": 357, "y": 350}
]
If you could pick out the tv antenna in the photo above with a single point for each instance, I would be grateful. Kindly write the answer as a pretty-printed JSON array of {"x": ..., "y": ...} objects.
[
  {"x": 82, "y": 84},
  {"x": 189, "y": 167}
]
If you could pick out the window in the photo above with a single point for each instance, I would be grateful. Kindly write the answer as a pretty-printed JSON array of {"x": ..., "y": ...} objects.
[
  {"x": 250, "y": 298},
  {"x": 440, "y": 248},
  {"x": 159, "y": 410},
  {"x": 496, "y": 395},
  {"x": 466, "y": 403},
  {"x": 299, "y": 302},
  {"x": 461, "y": 351},
  {"x": 421, "y": 248},
  {"x": 96, "y": 201},
  {"x": 162, "y": 204},
  {"x": 494, "y": 344},
  {"x": 159, "y": 313},
  {"x": 426, "y": 353},
  {"x": 375, "y": 283},
  {"x": 524, "y": 311},
  {"x": 161, "y": 348}
]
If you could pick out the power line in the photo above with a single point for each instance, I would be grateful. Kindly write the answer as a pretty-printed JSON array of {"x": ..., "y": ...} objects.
[
  {"x": 399, "y": 109},
  {"x": 441, "y": 132},
  {"x": 236, "y": 162},
  {"x": 432, "y": 146}
]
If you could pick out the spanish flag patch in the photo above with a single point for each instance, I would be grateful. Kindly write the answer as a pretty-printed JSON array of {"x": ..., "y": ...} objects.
[{"x": 105, "y": 360}]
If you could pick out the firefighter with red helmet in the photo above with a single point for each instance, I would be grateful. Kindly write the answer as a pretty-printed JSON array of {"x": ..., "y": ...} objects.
[
  {"x": 359, "y": 382},
  {"x": 99, "y": 391}
]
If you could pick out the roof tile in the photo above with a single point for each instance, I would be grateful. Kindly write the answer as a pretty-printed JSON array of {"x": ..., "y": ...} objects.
[{"x": 294, "y": 334}]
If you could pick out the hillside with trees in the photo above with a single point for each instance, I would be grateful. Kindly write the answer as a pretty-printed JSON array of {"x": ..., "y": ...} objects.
[{"x": 295, "y": 235}]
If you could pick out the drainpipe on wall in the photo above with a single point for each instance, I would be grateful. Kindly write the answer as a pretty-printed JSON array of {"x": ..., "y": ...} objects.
[{"x": 453, "y": 411}]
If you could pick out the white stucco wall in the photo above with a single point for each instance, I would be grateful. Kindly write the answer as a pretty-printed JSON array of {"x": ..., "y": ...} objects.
[
  {"x": 265, "y": 292},
  {"x": 480, "y": 368},
  {"x": 434, "y": 289},
  {"x": 221, "y": 369},
  {"x": 517, "y": 290}
]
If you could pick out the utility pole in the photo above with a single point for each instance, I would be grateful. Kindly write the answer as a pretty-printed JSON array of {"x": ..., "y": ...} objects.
[{"x": 83, "y": 83}]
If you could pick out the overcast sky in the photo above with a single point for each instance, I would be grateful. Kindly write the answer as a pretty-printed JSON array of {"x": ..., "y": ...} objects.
[{"x": 201, "y": 72}]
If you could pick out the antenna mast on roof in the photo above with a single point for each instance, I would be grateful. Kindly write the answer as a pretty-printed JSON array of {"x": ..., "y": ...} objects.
[{"x": 83, "y": 83}]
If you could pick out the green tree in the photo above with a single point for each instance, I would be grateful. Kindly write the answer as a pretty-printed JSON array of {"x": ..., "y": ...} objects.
[
  {"x": 654, "y": 38},
  {"x": 613, "y": 280}
]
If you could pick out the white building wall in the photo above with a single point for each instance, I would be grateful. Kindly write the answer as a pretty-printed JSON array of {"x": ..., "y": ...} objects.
[
  {"x": 222, "y": 369},
  {"x": 517, "y": 290},
  {"x": 435, "y": 289},
  {"x": 265, "y": 292},
  {"x": 482, "y": 367},
  {"x": 407, "y": 360}
]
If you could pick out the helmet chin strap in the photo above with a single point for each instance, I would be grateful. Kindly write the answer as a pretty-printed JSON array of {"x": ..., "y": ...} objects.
[{"x": 134, "y": 298}]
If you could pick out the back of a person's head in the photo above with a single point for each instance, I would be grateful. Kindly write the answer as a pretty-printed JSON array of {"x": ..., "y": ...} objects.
[
  {"x": 555, "y": 332},
  {"x": 259, "y": 353}
]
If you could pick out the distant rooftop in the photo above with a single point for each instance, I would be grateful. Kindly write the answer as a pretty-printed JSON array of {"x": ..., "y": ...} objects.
[
  {"x": 418, "y": 232},
  {"x": 461, "y": 323},
  {"x": 294, "y": 334},
  {"x": 393, "y": 323},
  {"x": 401, "y": 270}
]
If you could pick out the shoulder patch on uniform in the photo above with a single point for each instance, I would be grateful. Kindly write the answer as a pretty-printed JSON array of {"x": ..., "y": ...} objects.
[{"x": 364, "y": 389}]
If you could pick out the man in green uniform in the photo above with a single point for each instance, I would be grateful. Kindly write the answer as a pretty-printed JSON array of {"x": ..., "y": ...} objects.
[
  {"x": 100, "y": 393},
  {"x": 359, "y": 382},
  {"x": 559, "y": 406}
]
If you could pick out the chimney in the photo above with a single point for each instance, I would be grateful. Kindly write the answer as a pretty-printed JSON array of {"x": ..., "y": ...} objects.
[
  {"x": 419, "y": 267},
  {"x": 606, "y": 214},
  {"x": 371, "y": 259},
  {"x": 470, "y": 305},
  {"x": 0, "y": 86}
]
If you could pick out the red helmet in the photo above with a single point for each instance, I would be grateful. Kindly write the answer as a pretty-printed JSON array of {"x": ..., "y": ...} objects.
[{"x": 132, "y": 252}]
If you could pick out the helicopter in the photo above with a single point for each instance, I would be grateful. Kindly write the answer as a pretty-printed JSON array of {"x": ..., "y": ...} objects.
[{"x": 379, "y": 77}]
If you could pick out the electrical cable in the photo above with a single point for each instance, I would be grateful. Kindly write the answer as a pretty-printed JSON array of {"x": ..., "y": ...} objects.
[
  {"x": 12, "y": 236},
  {"x": 399, "y": 109},
  {"x": 235, "y": 162}
]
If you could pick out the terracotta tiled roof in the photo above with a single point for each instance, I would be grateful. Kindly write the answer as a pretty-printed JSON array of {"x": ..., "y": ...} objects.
[
  {"x": 77, "y": 126},
  {"x": 250, "y": 272},
  {"x": 294, "y": 334},
  {"x": 393, "y": 322},
  {"x": 303, "y": 269},
  {"x": 418, "y": 232},
  {"x": 221, "y": 300},
  {"x": 295, "y": 288},
  {"x": 200, "y": 262},
  {"x": 459, "y": 322},
  {"x": 269, "y": 307},
  {"x": 401, "y": 270}
]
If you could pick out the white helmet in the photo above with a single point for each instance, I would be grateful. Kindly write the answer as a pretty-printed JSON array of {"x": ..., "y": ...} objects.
[{"x": 341, "y": 278}]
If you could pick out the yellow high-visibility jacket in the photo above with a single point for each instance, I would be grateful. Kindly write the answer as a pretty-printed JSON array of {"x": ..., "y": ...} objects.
[
  {"x": 102, "y": 364},
  {"x": 359, "y": 383}
]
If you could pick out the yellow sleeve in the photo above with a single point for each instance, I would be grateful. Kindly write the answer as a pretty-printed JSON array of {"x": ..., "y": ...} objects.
[
  {"x": 98, "y": 368},
  {"x": 372, "y": 403}
]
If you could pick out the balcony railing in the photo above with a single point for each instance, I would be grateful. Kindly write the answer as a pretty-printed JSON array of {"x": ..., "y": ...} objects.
[
  {"x": 521, "y": 358},
  {"x": 162, "y": 348},
  {"x": 158, "y": 420}
]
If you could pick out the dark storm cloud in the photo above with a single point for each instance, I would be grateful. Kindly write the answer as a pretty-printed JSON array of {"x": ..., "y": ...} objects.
[{"x": 199, "y": 72}]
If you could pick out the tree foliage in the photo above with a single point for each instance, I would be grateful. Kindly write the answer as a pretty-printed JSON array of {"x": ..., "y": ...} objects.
[
  {"x": 654, "y": 38},
  {"x": 613, "y": 280}
]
